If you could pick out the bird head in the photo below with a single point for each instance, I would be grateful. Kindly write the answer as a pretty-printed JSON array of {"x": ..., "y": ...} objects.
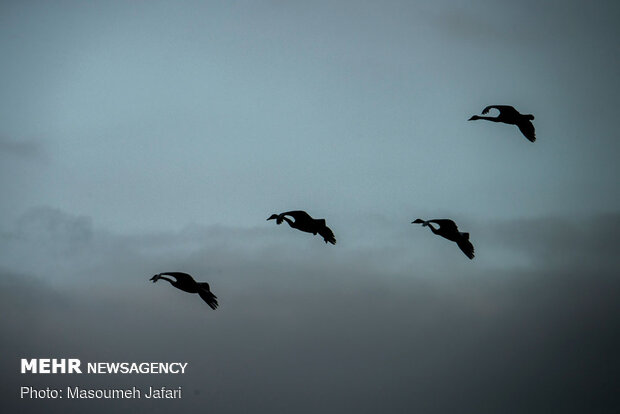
[
  {"x": 473, "y": 118},
  {"x": 420, "y": 221},
  {"x": 273, "y": 216},
  {"x": 155, "y": 278}
]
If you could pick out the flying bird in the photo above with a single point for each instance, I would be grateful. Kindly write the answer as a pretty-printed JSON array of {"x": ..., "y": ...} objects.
[
  {"x": 509, "y": 115},
  {"x": 187, "y": 284},
  {"x": 448, "y": 229},
  {"x": 304, "y": 222}
]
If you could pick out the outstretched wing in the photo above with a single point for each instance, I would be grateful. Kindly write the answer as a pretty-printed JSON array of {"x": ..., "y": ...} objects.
[
  {"x": 506, "y": 109},
  {"x": 208, "y": 297},
  {"x": 327, "y": 234},
  {"x": 180, "y": 276},
  {"x": 445, "y": 224},
  {"x": 466, "y": 247},
  {"x": 527, "y": 128}
]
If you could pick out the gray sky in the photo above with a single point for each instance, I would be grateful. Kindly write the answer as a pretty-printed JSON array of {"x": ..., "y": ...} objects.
[{"x": 140, "y": 137}]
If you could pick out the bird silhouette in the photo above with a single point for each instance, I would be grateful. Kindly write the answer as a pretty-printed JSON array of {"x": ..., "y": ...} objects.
[
  {"x": 509, "y": 115},
  {"x": 187, "y": 284},
  {"x": 304, "y": 222},
  {"x": 448, "y": 230}
]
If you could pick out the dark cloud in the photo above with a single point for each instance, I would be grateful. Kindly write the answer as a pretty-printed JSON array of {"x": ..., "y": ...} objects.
[
  {"x": 465, "y": 24},
  {"x": 305, "y": 327},
  {"x": 22, "y": 149},
  {"x": 585, "y": 242},
  {"x": 526, "y": 22},
  {"x": 54, "y": 225}
]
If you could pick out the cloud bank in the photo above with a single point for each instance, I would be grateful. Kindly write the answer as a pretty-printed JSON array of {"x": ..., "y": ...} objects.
[{"x": 303, "y": 327}]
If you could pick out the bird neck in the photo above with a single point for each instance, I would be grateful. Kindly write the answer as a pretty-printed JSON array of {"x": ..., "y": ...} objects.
[
  {"x": 489, "y": 118},
  {"x": 430, "y": 226}
]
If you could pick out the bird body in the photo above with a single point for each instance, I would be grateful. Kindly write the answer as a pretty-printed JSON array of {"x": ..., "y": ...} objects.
[
  {"x": 509, "y": 115},
  {"x": 186, "y": 283},
  {"x": 304, "y": 222},
  {"x": 449, "y": 230}
]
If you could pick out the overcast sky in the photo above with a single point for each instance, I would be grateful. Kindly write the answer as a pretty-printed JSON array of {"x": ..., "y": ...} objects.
[{"x": 139, "y": 137}]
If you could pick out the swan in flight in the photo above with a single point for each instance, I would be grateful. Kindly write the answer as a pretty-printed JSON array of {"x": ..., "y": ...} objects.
[
  {"x": 304, "y": 222},
  {"x": 509, "y": 115},
  {"x": 187, "y": 284},
  {"x": 448, "y": 229}
]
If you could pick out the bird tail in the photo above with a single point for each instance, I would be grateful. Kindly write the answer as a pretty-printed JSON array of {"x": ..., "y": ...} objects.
[
  {"x": 466, "y": 247},
  {"x": 328, "y": 235},
  {"x": 208, "y": 297}
]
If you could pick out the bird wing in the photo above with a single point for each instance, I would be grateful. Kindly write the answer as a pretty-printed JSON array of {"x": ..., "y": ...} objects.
[
  {"x": 466, "y": 247},
  {"x": 327, "y": 234},
  {"x": 180, "y": 276},
  {"x": 208, "y": 297},
  {"x": 527, "y": 128},
  {"x": 501, "y": 108},
  {"x": 445, "y": 224}
]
